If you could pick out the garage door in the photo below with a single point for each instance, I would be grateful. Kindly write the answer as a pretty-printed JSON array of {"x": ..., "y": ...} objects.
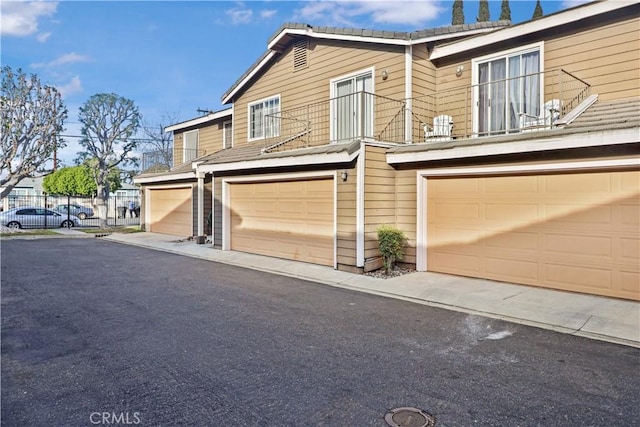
[
  {"x": 170, "y": 211},
  {"x": 291, "y": 219},
  {"x": 577, "y": 232}
]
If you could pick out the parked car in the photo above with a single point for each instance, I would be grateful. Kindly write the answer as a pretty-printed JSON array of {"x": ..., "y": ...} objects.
[
  {"x": 34, "y": 217},
  {"x": 77, "y": 210}
]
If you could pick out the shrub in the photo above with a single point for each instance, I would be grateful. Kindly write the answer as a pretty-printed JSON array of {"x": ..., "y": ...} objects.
[{"x": 391, "y": 241}]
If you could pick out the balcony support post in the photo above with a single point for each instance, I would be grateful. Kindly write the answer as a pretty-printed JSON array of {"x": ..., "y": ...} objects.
[{"x": 408, "y": 95}]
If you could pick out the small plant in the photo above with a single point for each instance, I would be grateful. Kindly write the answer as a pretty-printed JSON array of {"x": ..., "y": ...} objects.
[{"x": 391, "y": 242}]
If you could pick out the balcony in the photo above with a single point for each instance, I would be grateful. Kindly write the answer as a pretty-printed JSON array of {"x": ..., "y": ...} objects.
[
  {"x": 530, "y": 103},
  {"x": 162, "y": 160}
]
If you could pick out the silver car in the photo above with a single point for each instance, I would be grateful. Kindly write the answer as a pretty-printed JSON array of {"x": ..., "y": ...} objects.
[
  {"x": 77, "y": 210},
  {"x": 35, "y": 217}
]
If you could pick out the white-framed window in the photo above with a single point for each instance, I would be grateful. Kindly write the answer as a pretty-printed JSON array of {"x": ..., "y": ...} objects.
[
  {"x": 507, "y": 86},
  {"x": 264, "y": 121},
  {"x": 227, "y": 134},
  {"x": 190, "y": 145},
  {"x": 352, "y": 106}
]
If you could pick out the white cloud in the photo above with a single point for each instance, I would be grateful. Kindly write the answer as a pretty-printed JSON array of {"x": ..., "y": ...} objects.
[
  {"x": 43, "y": 37},
  {"x": 74, "y": 86},
  {"x": 240, "y": 14},
  {"x": 268, "y": 13},
  {"x": 67, "y": 58},
  {"x": 20, "y": 18},
  {"x": 345, "y": 13}
]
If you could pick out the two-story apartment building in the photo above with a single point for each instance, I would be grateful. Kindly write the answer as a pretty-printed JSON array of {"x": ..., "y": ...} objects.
[{"x": 504, "y": 152}]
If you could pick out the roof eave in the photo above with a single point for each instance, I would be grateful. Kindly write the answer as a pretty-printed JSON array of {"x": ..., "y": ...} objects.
[{"x": 546, "y": 22}]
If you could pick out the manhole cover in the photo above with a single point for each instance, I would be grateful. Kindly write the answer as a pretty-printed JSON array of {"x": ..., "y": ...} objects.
[{"x": 409, "y": 417}]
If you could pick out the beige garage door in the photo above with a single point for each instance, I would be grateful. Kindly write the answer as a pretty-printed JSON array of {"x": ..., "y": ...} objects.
[
  {"x": 578, "y": 232},
  {"x": 290, "y": 219},
  {"x": 170, "y": 211}
]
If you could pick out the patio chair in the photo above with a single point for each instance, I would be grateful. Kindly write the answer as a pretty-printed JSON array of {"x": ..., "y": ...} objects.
[
  {"x": 441, "y": 129},
  {"x": 549, "y": 115}
]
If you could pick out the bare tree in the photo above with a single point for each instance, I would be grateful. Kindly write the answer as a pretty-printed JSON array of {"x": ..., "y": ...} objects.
[
  {"x": 158, "y": 145},
  {"x": 108, "y": 123},
  {"x": 31, "y": 119}
]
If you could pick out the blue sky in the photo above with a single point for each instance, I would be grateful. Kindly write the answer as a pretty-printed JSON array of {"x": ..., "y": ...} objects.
[{"x": 173, "y": 57}]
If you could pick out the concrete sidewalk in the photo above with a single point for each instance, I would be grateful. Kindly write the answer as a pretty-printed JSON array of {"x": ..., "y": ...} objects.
[{"x": 589, "y": 316}]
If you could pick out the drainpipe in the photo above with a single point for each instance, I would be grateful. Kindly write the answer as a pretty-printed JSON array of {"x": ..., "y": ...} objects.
[
  {"x": 201, "y": 235},
  {"x": 408, "y": 93}
]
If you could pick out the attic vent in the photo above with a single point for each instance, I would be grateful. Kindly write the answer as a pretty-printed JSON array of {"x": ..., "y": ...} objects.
[{"x": 300, "y": 55}]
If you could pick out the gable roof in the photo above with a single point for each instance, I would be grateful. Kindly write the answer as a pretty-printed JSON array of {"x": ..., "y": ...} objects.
[
  {"x": 227, "y": 112},
  {"x": 563, "y": 17},
  {"x": 285, "y": 34}
]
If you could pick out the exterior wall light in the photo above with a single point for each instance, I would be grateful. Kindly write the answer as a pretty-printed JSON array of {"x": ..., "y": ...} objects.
[
  {"x": 459, "y": 70},
  {"x": 385, "y": 74},
  {"x": 344, "y": 175}
]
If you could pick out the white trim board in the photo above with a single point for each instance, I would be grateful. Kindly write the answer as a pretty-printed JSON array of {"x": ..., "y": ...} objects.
[
  {"x": 314, "y": 159},
  {"x": 581, "y": 140},
  {"x": 164, "y": 178},
  {"x": 200, "y": 120}
]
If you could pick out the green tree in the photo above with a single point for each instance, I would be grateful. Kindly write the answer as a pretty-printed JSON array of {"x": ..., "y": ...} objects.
[
  {"x": 537, "y": 12},
  {"x": 483, "y": 11},
  {"x": 505, "y": 11},
  {"x": 31, "y": 120},
  {"x": 108, "y": 123},
  {"x": 77, "y": 181},
  {"x": 457, "y": 13}
]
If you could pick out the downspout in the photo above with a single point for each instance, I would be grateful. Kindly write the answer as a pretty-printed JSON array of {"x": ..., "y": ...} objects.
[
  {"x": 201, "y": 236},
  {"x": 408, "y": 93},
  {"x": 360, "y": 164}
]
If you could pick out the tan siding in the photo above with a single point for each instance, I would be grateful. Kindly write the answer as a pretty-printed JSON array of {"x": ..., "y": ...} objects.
[
  {"x": 607, "y": 57},
  {"x": 379, "y": 199},
  {"x": 424, "y": 73},
  {"x": 406, "y": 211},
  {"x": 346, "y": 224},
  {"x": 210, "y": 139},
  {"x": 217, "y": 212},
  {"x": 177, "y": 148},
  {"x": 327, "y": 60}
]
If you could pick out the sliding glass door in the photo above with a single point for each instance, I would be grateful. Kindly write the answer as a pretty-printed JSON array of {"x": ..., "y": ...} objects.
[{"x": 508, "y": 88}]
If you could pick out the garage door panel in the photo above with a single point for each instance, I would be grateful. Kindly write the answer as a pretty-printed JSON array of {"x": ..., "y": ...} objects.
[
  {"x": 516, "y": 240},
  {"x": 171, "y": 211},
  {"x": 630, "y": 280},
  {"x": 579, "y": 277},
  {"x": 573, "y": 245},
  {"x": 507, "y": 268},
  {"x": 577, "y": 232},
  {"x": 288, "y": 219},
  {"x": 584, "y": 214}
]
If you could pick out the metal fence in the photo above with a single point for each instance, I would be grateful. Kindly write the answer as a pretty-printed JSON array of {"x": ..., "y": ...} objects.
[{"x": 122, "y": 210}]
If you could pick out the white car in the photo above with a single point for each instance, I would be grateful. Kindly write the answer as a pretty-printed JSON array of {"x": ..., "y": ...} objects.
[{"x": 36, "y": 217}]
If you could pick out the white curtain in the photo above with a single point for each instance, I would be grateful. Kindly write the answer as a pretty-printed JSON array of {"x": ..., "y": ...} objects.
[
  {"x": 498, "y": 93},
  {"x": 531, "y": 90},
  {"x": 483, "y": 98}
]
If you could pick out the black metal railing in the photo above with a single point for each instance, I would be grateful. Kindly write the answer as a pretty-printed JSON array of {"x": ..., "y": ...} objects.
[{"x": 121, "y": 210}]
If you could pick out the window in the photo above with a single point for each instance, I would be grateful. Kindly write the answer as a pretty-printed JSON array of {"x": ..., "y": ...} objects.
[
  {"x": 264, "y": 121},
  {"x": 190, "y": 146},
  {"x": 227, "y": 134},
  {"x": 507, "y": 86},
  {"x": 352, "y": 107}
]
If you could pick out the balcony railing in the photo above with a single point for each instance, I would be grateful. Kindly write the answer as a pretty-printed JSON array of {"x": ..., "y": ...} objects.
[
  {"x": 499, "y": 107},
  {"x": 359, "y": 115},
  {"x": 157, "y": 161},
  {"x": 533, "y": 102}
]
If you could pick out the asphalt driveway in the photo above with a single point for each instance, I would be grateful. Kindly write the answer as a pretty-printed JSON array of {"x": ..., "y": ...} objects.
[{"x": 95, "y": 332}]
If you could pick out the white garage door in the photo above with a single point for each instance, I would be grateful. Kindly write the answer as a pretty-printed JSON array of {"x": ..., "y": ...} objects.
[
  {"x": 577, "y": 232},
  {"x": 285, "y": 219},
  {"x": 170, "y": 211}
]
